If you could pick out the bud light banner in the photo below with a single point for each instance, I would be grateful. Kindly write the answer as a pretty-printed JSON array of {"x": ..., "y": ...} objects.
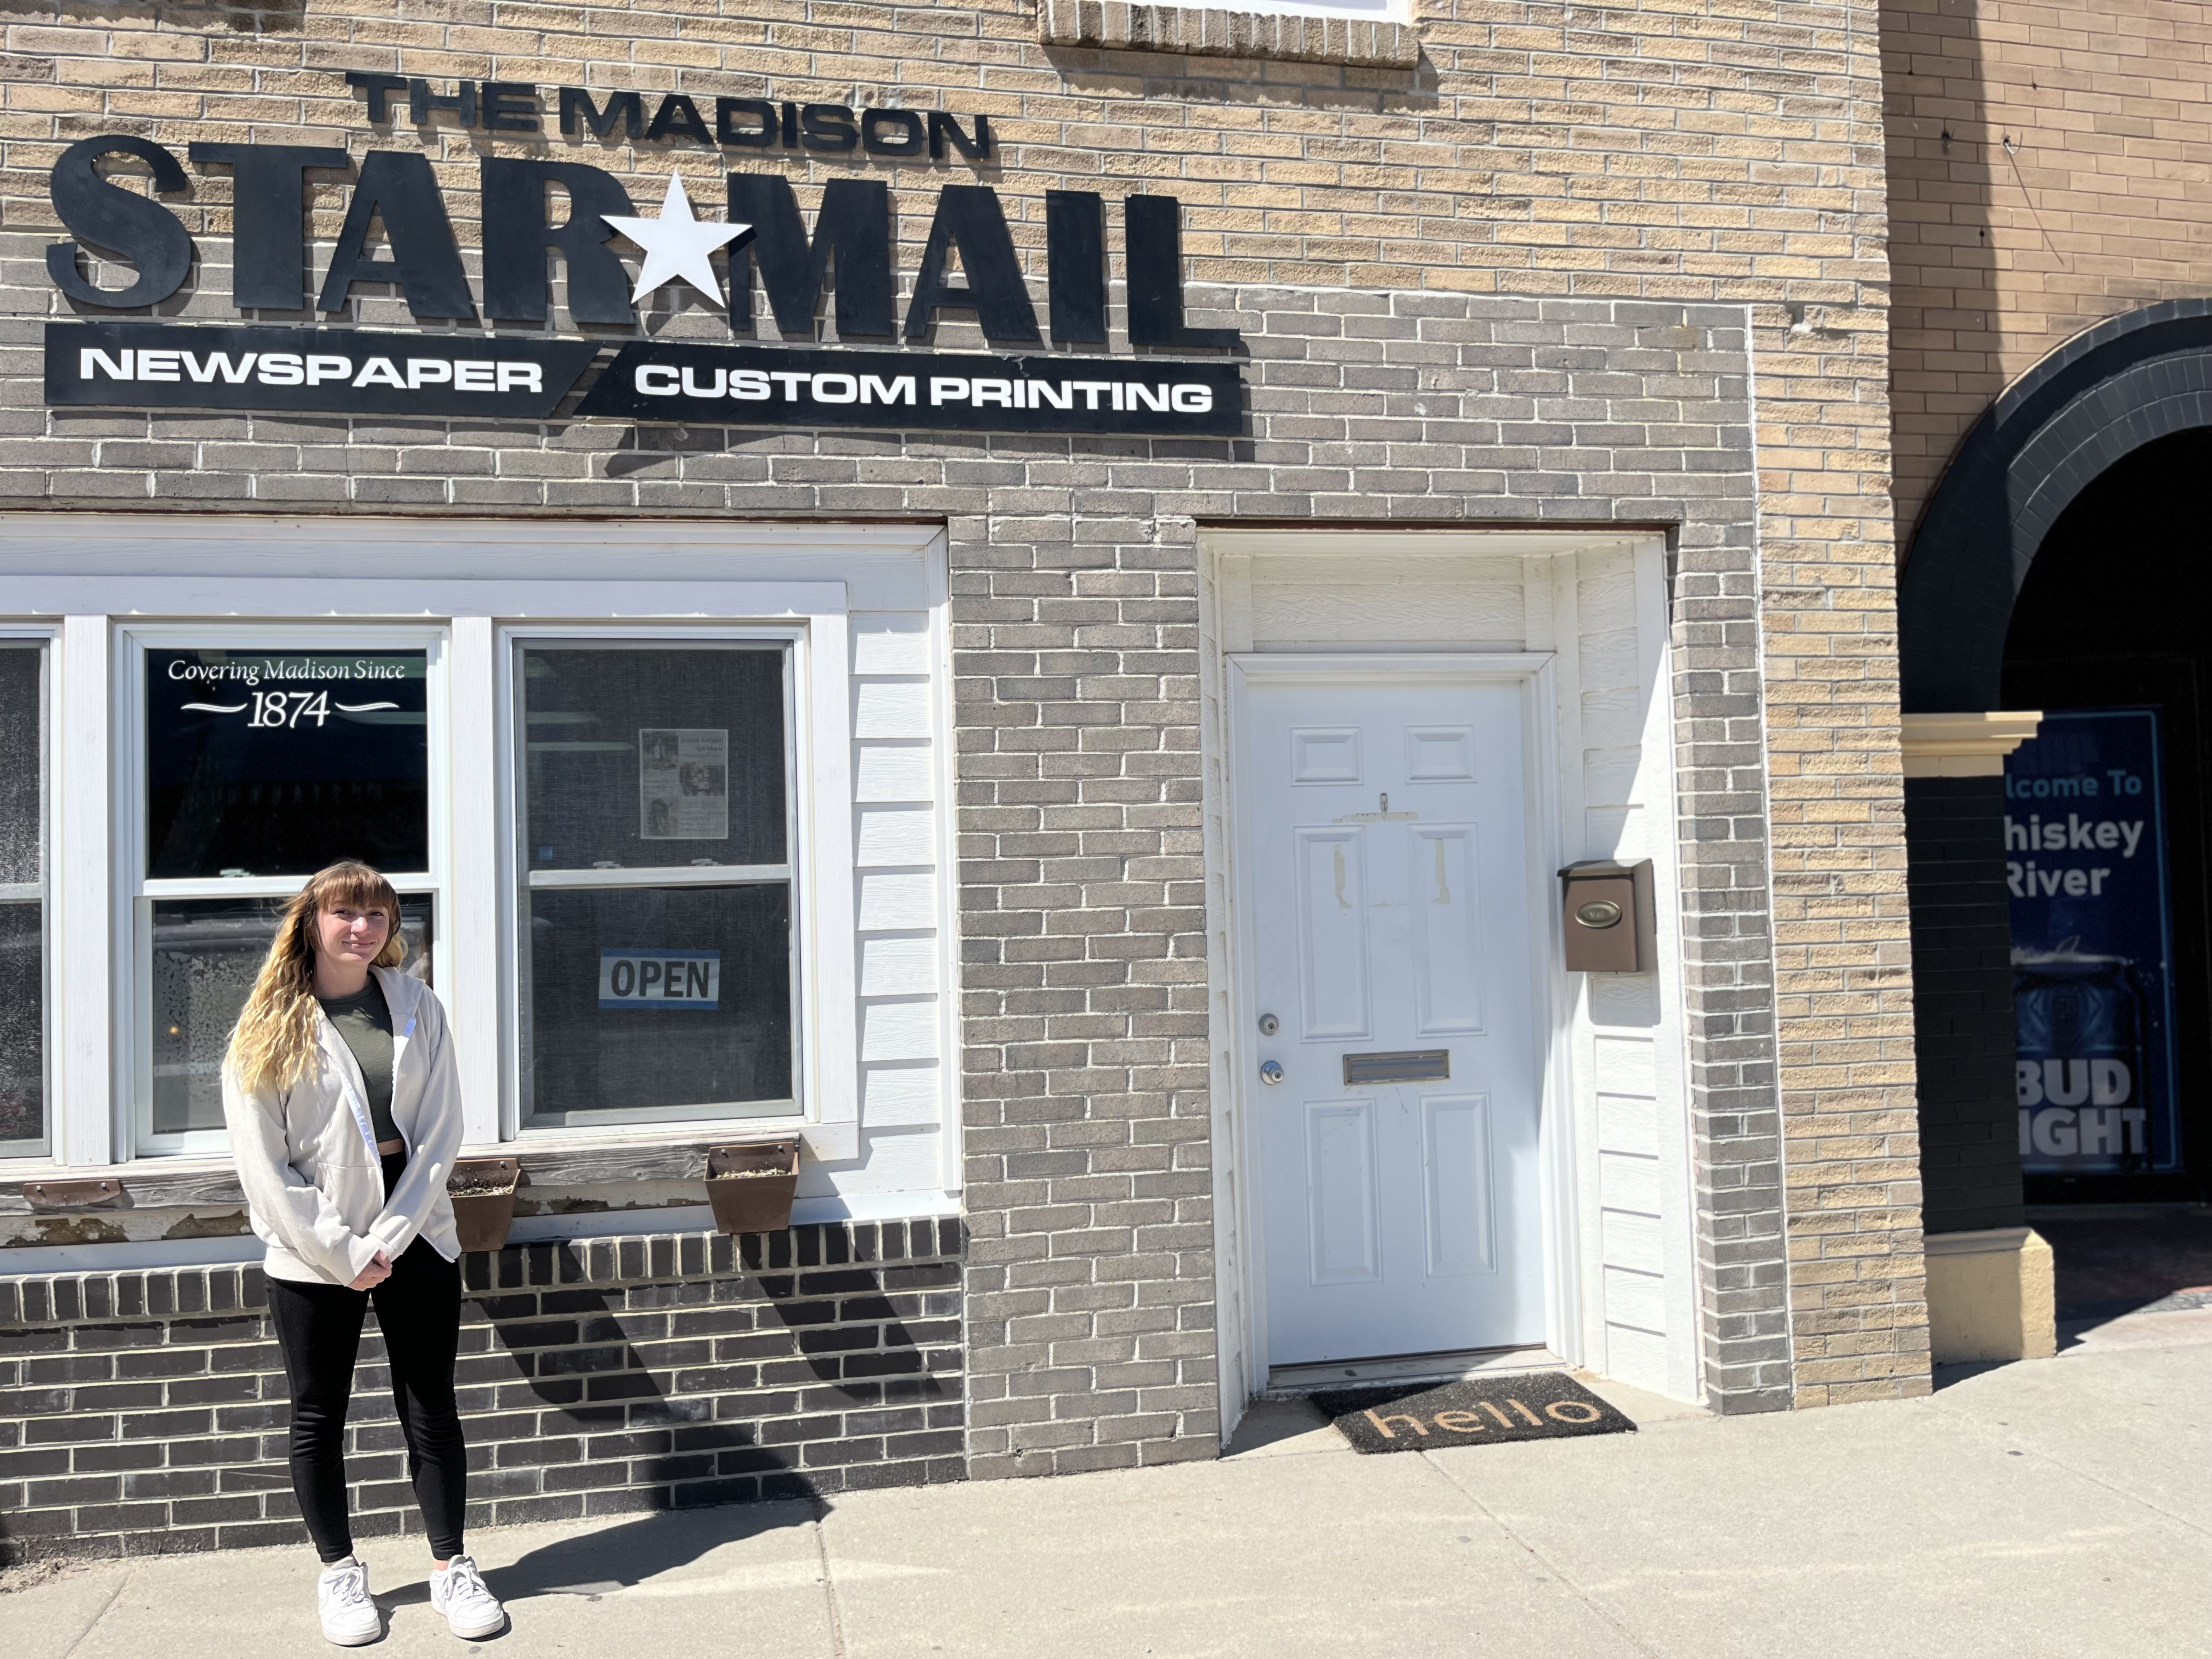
[{"x": 2092, "y": 999}]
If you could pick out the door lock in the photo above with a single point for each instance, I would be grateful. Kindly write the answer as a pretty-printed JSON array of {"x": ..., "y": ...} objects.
[
  {"x": 1271, "y": 1072},
  {"x": 1269, "y": 1025}
]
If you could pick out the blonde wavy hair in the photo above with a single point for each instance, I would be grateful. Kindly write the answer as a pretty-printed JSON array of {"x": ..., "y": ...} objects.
[{"x": 273, "y": 1045}]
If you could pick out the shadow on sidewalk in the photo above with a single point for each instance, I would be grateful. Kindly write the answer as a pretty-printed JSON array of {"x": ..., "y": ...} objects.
[
  {"x": 632, "y": 1552},
  {"x": 2118, "y": 1259},
  {"x": 625, "y": 1553}
]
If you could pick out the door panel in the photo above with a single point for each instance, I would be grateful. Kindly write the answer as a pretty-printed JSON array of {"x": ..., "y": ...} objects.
[
  {"x": 1325, "y": 753},
  {"x": 1384, "y": 873},
  {"x": 1456, "y": 1193},
  {"x": 1440, "y": 754},
  {"x": 1340, "y": 1184},
  {"x": 1331, "y": 894},
  {"x": 1442, "y": 886}
]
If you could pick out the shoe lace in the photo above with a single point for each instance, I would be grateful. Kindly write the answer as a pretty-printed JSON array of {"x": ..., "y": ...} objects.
[
  {"x": 464, "y": 1583},
  {"x": 348, "y": 1586}
]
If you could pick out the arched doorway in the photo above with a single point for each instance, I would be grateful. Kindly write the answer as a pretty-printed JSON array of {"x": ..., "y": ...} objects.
[
  {"x": 2109, "y": 630},
  {"x": 2052, "y": 571}
]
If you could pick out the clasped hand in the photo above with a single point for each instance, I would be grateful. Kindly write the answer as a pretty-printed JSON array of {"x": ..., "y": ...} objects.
[{"x": 375, "y": 1273}]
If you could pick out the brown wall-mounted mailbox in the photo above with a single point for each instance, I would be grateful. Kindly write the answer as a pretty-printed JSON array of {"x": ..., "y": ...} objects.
[{"x": 1608, "y": 916}]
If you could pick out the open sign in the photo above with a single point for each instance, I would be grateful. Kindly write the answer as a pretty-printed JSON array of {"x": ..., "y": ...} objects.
[{"x": 660, "y": 979}]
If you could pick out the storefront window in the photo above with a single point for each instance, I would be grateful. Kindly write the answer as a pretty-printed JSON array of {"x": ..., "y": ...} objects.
[
  {"x": 623, "y": 837},
  {"x": 206, "y": 952},
  {"x": 276, "y": 762},
  {"x": 22, "y": 897},
  {"x": 657, "y": 938},
  {"x": 262, "y": 764}
]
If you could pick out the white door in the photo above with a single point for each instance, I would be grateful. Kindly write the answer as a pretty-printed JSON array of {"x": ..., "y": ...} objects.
[{"x": 1383, "y": 853}]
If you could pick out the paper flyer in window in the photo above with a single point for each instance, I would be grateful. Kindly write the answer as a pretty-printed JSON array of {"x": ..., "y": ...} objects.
[{"x": 684, "y": 783}]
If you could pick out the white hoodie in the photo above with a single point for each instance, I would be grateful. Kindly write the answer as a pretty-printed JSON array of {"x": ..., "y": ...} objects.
[{"x": 307, "y": 1159}]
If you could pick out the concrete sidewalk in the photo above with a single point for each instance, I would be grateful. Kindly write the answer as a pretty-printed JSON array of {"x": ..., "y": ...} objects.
[{"x": 2062, "y": 1508}]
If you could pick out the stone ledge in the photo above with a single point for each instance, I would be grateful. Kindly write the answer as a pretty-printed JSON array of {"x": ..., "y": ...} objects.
[
  {"x": 1219, "y": 32},
  {"x": 1969, "y": 745},
  {"x": 154, "y": 1295},
  {"x": 174, "y": 1183}
]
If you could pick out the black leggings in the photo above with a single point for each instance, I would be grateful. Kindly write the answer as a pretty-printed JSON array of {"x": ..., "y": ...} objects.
[{"x": 418, "y": 1309}]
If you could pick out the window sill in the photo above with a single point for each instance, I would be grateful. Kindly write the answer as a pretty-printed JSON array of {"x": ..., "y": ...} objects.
[
  {"x": 180, "y": 1183},
  {"x": 1219, "y": 32}
]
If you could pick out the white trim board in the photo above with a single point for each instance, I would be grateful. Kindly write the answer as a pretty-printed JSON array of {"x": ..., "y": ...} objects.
[
  {"x": 883, "y": 566},
  {"x": 224, "y": 594},
  {"x": 345, "y": 538}
]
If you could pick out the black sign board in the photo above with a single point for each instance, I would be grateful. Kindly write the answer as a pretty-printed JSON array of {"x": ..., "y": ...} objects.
[
  {"x": 918, "y": 390},
  {"x": 376, "y": 372},
  {"x": 344, "y": 371}
]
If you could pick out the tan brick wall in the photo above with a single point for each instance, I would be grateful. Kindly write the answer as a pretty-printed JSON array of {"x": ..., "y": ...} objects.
[
  {"x": 2049, "y": 166},
  {"x": 1842, "y": 949},
  {"x": 1686, "y": 150}
]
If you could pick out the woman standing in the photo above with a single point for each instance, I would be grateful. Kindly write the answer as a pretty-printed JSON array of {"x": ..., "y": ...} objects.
[{"x": 344, "y": 1114}]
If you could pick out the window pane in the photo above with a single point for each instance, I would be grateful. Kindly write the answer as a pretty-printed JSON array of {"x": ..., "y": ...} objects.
[
  {"x": 22, "y": 1022},
  {"x": 22, "y": 912},
  {"x": 20, "y": 768},
  {"x": 648, "y": 756},
  {"x": 660, "y": 997},
  {"x": 277, "y": 763},
  {"x": 206, "y": 952}
]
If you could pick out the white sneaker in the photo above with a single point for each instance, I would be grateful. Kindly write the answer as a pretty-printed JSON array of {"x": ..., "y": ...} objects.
[
  {"x": 459, "y": 1593},
  {"x": 350, "y": 1618}
]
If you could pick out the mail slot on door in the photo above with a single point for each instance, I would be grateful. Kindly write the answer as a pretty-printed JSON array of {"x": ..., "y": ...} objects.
[{"x": 1607, "y": 917}]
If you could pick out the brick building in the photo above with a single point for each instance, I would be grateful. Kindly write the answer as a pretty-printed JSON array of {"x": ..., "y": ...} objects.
[
  {"x": 1127, "y": 449},
  {"x": 2049, "y": 257}
]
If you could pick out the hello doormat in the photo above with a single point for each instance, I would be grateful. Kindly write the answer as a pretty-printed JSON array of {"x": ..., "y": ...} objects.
[{"x": 1473, "y": 1411}]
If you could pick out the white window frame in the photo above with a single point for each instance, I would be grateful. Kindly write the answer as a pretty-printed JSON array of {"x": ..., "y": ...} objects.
[
  {"x": 92, "y": 617},
  {"x": 41, "y": 638},
  {"x": 797, "y": 874},
  {"x": 136, "y": 893}
]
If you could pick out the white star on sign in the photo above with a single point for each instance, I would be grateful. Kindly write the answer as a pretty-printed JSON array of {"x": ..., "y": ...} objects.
[{"x": 676, "y": 245}]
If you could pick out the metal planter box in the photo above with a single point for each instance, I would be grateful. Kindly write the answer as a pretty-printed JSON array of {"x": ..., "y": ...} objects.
[
  {"x": 751, "y": 1185},
  {"x": 482, "y": 1192}
]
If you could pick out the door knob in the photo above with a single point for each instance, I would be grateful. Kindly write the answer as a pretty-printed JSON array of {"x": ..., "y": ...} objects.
[{"x": 1271, "y": 1072}]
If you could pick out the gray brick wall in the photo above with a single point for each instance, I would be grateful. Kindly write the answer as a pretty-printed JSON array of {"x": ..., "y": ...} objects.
[
  {"x": 1076, "y": 653},
  {"x": 1729, "y": 991},
  {"x": 1075, "y": 611},
  {"x": 144, "y": 1413}
]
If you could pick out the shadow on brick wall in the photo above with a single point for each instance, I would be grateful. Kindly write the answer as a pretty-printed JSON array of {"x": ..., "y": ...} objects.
[
  {"x": 144, "y": 1413},
  {"x": 819, "y": 1360}
]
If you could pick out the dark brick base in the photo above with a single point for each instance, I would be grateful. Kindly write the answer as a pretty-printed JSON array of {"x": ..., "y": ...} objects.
[
  {"x": 144, "y": 1411},
  {"x": 1962, "y": 1017}
]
